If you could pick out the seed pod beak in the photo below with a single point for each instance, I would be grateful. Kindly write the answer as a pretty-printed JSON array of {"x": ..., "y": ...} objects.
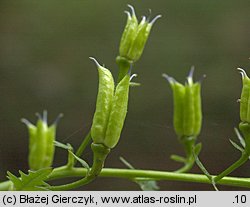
[
  {"x": 95, "y": 61},
  {"x": 45, "y": 116},
  {"x": 169, "y": 79},
  {"x": 132, "y": 10},
  {"x": 132, "y": 76},
  {"x": 190, "y": 76},
  {"x": 243, "y": 73},
  {"x": 154, "y": 19},
  {"x": 27, "y": 122},
  {"x": 128, "y": 14},
  {"x": 58, "y": 118}
]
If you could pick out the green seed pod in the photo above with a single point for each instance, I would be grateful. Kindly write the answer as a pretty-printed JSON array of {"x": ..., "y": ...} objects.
[
  {"x": 135, "y": 36},
  {"x": 197, "y": 106},
  {"x": 128, "y": 33},
  {"x": 140, "y": 39},
  {"x": 179, "y": 94},
  {"x": 111, "y": 108},
  {"x": 103, "y": 104},
  {"x": 187, "y": 107},
  {"x": 245, "y": 98},
  {"x": 41, "y": 142},
  {"x": 118, "y": 113},
  {"x": 245, "y": 130},
  {"x": 244, "y": 126},
  {"x": 189, "y": 111}
]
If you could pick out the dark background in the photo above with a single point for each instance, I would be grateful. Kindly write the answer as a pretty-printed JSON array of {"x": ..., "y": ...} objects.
[{"x": 44, "y": 50}]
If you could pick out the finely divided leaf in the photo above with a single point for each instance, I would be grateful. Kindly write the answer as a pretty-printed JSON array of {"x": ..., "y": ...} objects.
[
  {"x": 202, "y": 167},
  {"x": 242, "y": 141},
  {"x": 70, "y": 151},
  {"x": 236, "y": 146},
  {"x": 83, "y": 163},
  {"x": 133, "y": 84},
  {"x": 178, "y": 158},
  {"x": 147, "y": 185},
  {"x": 144, "y": 183},
  {"x": 15, "y": 180},
  {"x": 197, "y": 149},
  {"x": 33, "y": 181},
  {"x": 63, "y": 146}
]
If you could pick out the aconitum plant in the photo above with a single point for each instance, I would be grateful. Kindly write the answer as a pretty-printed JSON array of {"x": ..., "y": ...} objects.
[{"x": 108, "y": 122}]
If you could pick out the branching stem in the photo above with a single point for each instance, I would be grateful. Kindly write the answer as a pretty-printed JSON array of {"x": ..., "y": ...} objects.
[
  {"x": 244, "y": 157},
  {"x": 63, "y": 172}
]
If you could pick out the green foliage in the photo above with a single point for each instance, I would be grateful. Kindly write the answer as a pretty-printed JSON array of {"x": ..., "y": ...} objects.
[
  {"x": 236, "y": 146},
  {"x": 147, "y": 184},
  {"x": 83, "y": 163},
  {"x": 144, "y": 183},
  {"x": 202, "y": 167},
  {"x": 108, "y": 121},
  {"x": 178, "y": 158},
  {"x": 71, "y": 155},
  {"x": 33, "y": 181}
]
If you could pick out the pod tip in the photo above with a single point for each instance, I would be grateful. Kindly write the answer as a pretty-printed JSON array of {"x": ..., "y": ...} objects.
[
  {"x": 168, "y": 78},
  {"x": 58, "y": 119},
  {"x": 132, "y": 9},
  {"x": 26, "y": 122},
  {"x": 95, "y": 61},
  {"x": 154, "y": 19}
]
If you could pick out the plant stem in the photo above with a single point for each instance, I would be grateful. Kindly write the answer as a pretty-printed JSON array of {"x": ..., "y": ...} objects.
[
  {"x": 152, "y": 174},
  {"x": 188, "y": 143},
  {"x": 244, "y": 157},
  {"x": 100, "y": 154},
  {"x": 83, "y": 145},
  {"x": 187, "y": 166},
  {"x": 124, "y": 66},
  {"x": 64, "y": 172}
]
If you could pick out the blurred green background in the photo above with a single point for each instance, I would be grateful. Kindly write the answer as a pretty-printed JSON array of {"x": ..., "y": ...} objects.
[{"x": 44, "y": 50}]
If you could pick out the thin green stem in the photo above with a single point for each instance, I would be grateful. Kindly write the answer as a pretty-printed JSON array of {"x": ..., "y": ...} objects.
[
  {"x": 64, "y": 172},
  {"x": 187, "y": 166},
  {"x": 188, "y": 143},
  {"x": 244, "y": 157},
  {"x": 154, "y": 175},
  {"x": 124, "y": 66},
  {"x": 100, "y": 154},
  {"x": 83, "y": 145}
]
